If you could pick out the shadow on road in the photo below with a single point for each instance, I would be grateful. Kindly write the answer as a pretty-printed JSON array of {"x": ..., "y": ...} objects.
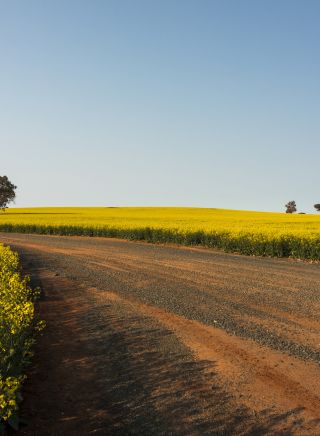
[{"x": 101, "y": 368}]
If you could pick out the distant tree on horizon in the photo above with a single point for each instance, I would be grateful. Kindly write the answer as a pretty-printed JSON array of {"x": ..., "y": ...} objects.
[
  {"x": 317, "y": 207},
  {"x": 291, "y": 207},
  {"x": 7, "y": 192}
]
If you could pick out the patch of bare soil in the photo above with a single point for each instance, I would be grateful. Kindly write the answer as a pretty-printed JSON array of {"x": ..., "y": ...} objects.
[
  {"x": 245, "y": 367},
  {"x": 99, "y": 369}
]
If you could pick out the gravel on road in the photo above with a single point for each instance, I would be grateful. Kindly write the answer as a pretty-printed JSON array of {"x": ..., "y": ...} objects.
[{"x": 152, "y": 339}]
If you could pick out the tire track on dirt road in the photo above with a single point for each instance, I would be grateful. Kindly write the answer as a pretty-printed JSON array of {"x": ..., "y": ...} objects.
[{"x": 150, "y": 339}]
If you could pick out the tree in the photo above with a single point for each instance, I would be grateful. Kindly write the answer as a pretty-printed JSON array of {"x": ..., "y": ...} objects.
[
  {"x": 291, "y": 207},
  {"x": 7, "y": 192},
  {"x": 317, "y": 207}
]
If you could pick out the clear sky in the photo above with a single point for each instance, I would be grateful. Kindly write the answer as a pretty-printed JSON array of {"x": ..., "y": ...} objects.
[{"x": 161, "y": 102}]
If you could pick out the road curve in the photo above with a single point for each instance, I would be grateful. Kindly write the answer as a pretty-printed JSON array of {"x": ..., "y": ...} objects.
[{"x": 151, "y": 339}]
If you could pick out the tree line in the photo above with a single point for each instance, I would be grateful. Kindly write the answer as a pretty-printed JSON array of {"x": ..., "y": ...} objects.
[{"x": 291, "y": 207}]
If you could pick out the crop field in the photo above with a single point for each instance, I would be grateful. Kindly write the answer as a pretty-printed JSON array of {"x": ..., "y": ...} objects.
[
  {"x": 17, "y": 326},
  {"x": 252, "y": 233}
]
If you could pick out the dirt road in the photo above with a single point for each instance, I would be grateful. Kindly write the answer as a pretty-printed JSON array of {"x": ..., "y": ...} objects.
[{"x": 145, "y": 339}]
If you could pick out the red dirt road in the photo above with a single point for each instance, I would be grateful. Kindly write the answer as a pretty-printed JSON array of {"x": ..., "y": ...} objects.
[{"x": 148, "y": 339}]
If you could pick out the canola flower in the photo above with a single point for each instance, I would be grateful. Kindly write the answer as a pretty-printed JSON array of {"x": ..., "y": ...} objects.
[
  {"x": 252, "y": 233},
  {"x": 9, "y": 391},
  {"x": 17, "y": 327}
]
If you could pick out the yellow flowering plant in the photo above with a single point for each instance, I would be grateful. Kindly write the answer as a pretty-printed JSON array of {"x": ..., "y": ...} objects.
[
  {"x": 17, "y": 328},
  {"x": 247, "y": 232}
]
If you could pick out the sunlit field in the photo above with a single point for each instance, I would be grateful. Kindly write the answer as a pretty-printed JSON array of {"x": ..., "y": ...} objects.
[
  {"x": 253, "y": 233},
  {"x": 17, "y": 327}
]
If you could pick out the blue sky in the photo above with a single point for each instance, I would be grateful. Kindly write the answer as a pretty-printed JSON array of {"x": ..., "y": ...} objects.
[{"x": 195, "y": 103}]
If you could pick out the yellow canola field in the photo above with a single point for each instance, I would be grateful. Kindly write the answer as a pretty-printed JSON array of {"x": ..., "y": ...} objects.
[
  {"x": 17, "y": 327},
  {"x": 257, "y": 233}
]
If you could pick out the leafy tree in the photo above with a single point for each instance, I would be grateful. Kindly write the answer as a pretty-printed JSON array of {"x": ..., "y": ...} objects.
[
  {"x": 7, "y": 192},
  {"x": 291, "y": 207},
  {"x": 317, "y": 207}
]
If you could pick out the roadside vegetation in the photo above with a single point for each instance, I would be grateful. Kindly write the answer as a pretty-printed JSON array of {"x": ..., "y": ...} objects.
[
  {"x": 251, "y": 233},
  {"x": 18, "y": 326}
]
